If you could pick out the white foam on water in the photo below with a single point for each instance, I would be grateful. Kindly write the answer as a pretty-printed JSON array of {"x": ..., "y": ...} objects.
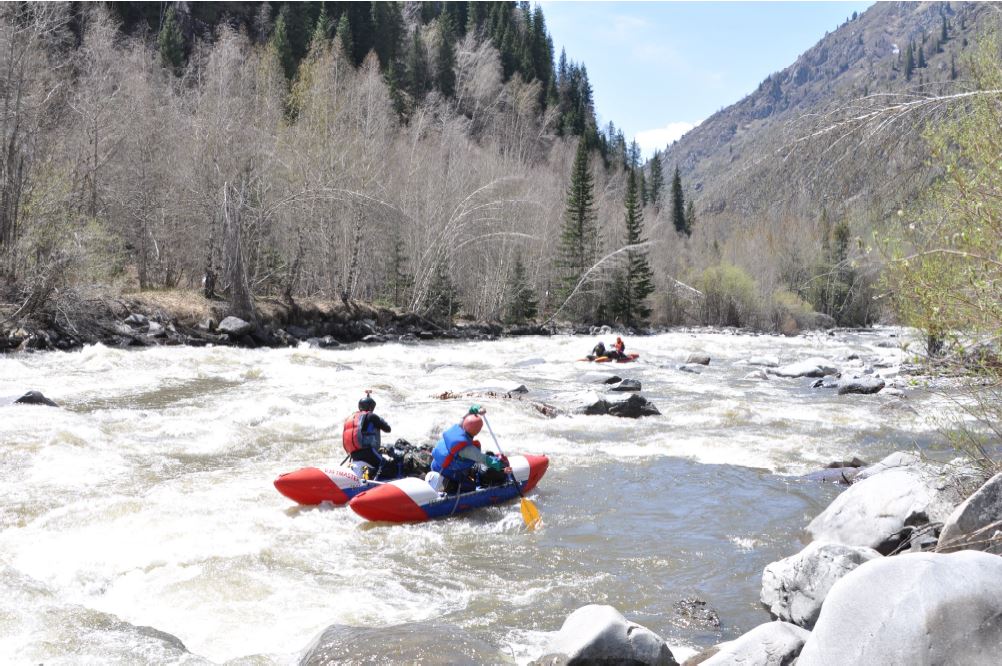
[{"x": 150, "y": 497}]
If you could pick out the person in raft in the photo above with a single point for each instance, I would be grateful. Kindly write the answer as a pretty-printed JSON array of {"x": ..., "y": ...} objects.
[
  {"x": 599, "y": 350},
  {"x": 458, "y": 459},
  {"x": 362, "y": 440},
  {"x": 619, "y": 350}
]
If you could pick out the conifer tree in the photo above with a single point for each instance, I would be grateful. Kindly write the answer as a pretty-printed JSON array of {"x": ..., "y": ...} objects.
[
  {"x": 634, "y": 282},
  {"x": 633, "y": 155},
  {"x": 953, "y": 67},
  {"x": 909, "y": 62},
  {"x": 678, "y": 204},
  {"x": 280, "y": 44},
  {"x": 400, "y": 280},
  {"x": 443, "y": 299},
  {"x": 690, "y": 216},
  {"x": 921, "y": 57},
  {"x": 418, "y": 75},
  {"x": 344, "y": 37},
  {"x": 522, "y": 303},
  {"x": 657, "y": 181},
  {"x": 321, "y": 29},
  {"x": 171, "y": 43},
  {"x": 579, "y": 237},
  {"x": 388, "y": 32},
  {"x": 944, "y": 33},
  {"x": 446, "y": 62}
]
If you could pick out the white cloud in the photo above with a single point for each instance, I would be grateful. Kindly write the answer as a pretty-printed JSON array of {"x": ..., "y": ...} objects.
[{"x": 657, "y": 139}]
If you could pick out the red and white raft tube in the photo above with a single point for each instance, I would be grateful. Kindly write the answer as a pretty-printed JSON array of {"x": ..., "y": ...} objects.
[
  {"x": 413, "y": 499},
  {"x": 312, "y": 485}
]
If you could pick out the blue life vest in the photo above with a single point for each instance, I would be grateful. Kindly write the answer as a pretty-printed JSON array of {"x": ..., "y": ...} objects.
[{"x": 445, "y": 456}]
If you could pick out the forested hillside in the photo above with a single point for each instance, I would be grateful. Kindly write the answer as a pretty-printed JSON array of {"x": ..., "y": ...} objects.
[
  {"x": 791, "y": 183},
  {"x": 414, "y": 154}
]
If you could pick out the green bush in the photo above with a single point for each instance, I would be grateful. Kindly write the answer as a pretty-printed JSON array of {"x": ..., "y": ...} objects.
[{"x": 729, "y": 296}]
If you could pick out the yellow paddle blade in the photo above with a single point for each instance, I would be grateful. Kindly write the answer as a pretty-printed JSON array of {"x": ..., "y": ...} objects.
[{"x": 530, "y": 514}]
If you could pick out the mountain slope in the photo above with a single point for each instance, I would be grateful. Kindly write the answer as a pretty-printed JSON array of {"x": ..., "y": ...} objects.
[{"x": 754, "y": 159}]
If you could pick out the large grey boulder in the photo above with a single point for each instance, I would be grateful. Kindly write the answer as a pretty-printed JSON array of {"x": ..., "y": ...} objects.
[
  {"x": 882, "y": 511},
  {"x": 863, "y": 385},
  {"x": 896, "y": 459},
  {"x": 599, "y": 634},
  {"x": 811, "y": 367},
  {"x": 419, "y": 642},
  {"x": 765, "y": 361},
  {"x": 977, "y": 523},
  {"x": 234, "y": 327},
  {"x": 699, "y": 358},
  {"x": 794, "y": 588},
  {"x": 627, "y": 386},
  {"x": 769, "y": 644},
  {"x": 921, "y": 609}
]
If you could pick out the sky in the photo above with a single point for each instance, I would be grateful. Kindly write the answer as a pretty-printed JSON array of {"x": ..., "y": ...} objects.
[{"x": 659, "y": 68}]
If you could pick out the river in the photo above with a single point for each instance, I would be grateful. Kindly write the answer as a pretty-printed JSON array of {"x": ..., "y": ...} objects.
[{"x": 146, "y": 504}]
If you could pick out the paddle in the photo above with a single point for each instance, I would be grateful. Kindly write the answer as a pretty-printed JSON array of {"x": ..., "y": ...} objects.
[{"x": 530, "y": 514}]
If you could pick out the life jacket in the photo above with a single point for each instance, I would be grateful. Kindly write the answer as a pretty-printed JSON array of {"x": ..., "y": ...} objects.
[
  {"x": 620, "y": 346},
  {"x": 445, "y": 458},
  {"x": 359, "y": 432}
]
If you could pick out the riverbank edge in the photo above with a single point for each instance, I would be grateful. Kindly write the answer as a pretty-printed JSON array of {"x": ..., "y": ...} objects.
[{"x": 151, "y": 319}]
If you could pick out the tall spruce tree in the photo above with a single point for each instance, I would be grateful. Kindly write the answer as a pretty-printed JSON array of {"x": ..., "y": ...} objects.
[
  {"x": 345, "y": 39},
  {"x": 678, "y": 205},
  {"x": 388, "y": 32},
  {"x": 171, "y": 43},
  {"x": 280, "y": 44},
  {"x": 400, "y": 280},
  {"x": 445, "y": 65},
  {"x": 579, "y": 238},
  {"x": 909, "y": 62},
  {"x": 522, "y": 303},
  {"x": 443, "y": 299},
  {"x": 321, "y": 29},
  {"x": 634, "y": 282},
  {"x": 656, "y": 182},
  {"x": 690, "y": 216},
  {"x": 418, "y": 71}
]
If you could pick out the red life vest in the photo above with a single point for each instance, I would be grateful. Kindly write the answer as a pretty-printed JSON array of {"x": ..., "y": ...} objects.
[{"x": 355, "y": 436}]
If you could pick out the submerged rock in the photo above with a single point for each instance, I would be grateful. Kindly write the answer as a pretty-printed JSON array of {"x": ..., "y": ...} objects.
[
  {"x": 695, "y": 612},
  {"x": 826, "y": 382},
  {"x": 756, "y": 374},
  {"x": 769, "y": 644},
  {"x": 633, "y": 407},
  {"x": 418, "y": 642},
  {"x": 598, "y": 634},
  {"x": 690, "y": 367},
  {"x": 794, "y": 588},
  {"x": 864, "y": 385},
  {"x": 811, "y": 367},
  {"x": 627, "y": 386},
  {"x": 699, "y": 358},
  {"x": 924, "y": 608},
  {"x": 34, "y": 398}
]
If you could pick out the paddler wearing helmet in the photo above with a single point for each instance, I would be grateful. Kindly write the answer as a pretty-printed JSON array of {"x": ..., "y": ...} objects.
[
  {"x": 361, "y": 434},
  {"x": 458, "y": 458}
]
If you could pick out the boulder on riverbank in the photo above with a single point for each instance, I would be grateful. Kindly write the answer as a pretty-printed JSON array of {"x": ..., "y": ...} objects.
[
  {"x": 633, "y": 407},
  {"x": 922, "y": 608},
  {"x": 811, "y": 367},
  {"x": 770, "y": 644},
  {"x": 977, "y": 523},
  {"x": 599, "y": 634},
  {"x": 882, "y": 510},
  {"x": 418, "y": 642},
  {"x": 794, "y": 588}
]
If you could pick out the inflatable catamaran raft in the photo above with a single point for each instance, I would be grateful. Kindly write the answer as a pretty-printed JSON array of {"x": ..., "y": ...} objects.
[{"x": 415, "y": 499}]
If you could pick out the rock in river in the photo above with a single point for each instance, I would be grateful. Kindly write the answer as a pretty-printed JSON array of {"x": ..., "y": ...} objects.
[
  {"x": 598, "y": 634},
  {"x": 794, "y": 588},
  {"x": 922, "y": 608},
  {"x": 769, "y": 644},
  {"x": 633, "y": 407},
  {"x": 811, "y": 367},
  {"x": 419, "y": 642}
]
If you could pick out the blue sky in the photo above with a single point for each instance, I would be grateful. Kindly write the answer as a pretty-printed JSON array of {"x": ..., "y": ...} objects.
[{"x": 658, "y": 68}]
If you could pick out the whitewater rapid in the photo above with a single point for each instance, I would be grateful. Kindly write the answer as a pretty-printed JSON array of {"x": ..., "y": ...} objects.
[{"x": 141, "y": 515}]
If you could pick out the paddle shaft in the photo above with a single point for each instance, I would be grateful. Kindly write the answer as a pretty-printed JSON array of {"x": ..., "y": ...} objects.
[{"x": 498, "y": 447}]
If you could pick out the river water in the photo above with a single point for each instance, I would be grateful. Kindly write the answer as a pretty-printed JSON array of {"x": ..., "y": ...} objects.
[{"x": 142, "y": 515}]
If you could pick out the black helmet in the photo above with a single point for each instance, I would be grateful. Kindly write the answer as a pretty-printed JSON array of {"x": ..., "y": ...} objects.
[{"x": 367, "y": 404}]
